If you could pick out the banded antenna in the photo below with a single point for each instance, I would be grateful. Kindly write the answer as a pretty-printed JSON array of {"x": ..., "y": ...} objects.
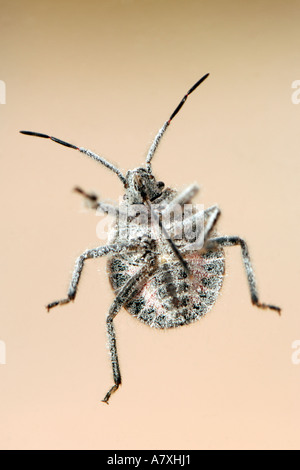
[
  {"x": 87, "y": 152},
  {"x": 161, "y": 132}
]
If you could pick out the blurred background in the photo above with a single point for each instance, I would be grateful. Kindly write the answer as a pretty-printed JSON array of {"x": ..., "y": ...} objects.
[{"x": 106, "y": 75}]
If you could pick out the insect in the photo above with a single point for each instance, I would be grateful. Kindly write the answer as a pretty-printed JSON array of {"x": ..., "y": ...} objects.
[{"x": 162, "y": 281}]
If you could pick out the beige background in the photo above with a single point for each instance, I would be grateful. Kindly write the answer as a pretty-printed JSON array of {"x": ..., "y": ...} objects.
[{"x": 106, "y": 75}]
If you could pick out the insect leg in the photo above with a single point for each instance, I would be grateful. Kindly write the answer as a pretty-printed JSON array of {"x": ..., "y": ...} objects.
[
  {"x": 197, "y": 218},
  {"x": 180, "y": 199},
  {"x": 213, "y": 213},
  {"x": 198, "y": 227},
  {"x": 130, "y": 289},
  {"x": 158, "y": 219},
  {"x": 79, "y": 264},
  {"x": 233, "y": 241},
  {"x": 94, "y": 203}
]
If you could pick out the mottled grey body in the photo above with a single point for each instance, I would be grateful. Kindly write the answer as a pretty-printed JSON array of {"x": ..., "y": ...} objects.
[{"x": 170, "y": 297}]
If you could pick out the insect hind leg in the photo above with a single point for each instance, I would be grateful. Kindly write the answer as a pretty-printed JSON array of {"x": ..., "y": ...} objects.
[
  {"x": 133, "y": 285},
  {"x": 234, "y": 241}
]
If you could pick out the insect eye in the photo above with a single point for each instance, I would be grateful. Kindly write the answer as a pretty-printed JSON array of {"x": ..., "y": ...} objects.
[{"x": 161, "y": 184}]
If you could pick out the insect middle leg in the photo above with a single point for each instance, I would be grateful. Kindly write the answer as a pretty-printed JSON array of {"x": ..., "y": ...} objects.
[
  {"x": 79, "y": 264},
  {"x": 234, "y": 241}
]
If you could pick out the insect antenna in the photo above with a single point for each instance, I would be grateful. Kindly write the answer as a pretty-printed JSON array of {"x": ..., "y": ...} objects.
[
  {"x": 87, "y": 152},
  {"x": 161, "y": 132}
]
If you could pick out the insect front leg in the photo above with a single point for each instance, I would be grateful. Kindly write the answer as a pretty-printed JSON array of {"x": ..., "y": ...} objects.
[
  {"x": 233, "y": 241},
  {"x": 79, "y": 264},
  {"x": 94, "y": 203}
]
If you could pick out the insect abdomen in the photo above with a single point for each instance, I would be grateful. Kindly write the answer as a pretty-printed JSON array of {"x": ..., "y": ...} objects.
[{"x": 170, "y": 298}]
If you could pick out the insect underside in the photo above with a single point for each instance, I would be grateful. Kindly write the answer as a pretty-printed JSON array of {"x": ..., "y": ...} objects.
[
  {"x": 167, "y": 295},
  {"x": 166, "y": 266}
]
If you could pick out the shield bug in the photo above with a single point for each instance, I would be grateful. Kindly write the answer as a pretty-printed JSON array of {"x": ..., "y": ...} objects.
[{"x": 164, "y": 281}]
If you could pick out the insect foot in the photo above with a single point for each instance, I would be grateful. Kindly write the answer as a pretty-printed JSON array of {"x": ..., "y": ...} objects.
[
  {"x": 57, "y": 302},
  {"x": 261, "y": 305}
]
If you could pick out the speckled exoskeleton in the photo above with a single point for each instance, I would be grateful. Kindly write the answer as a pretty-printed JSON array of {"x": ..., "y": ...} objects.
[{"x": 162, "y": 281}]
